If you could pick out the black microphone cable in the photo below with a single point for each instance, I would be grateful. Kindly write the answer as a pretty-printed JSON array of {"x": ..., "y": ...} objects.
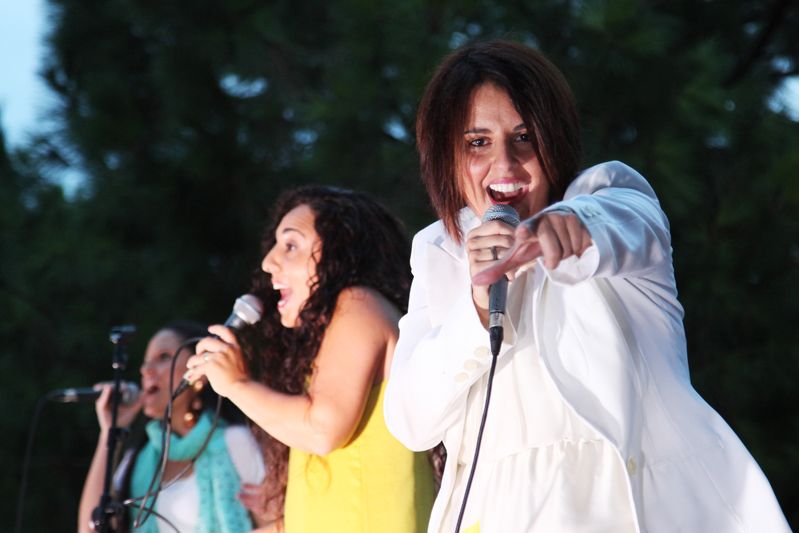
[
  {"x": 150, "y": 510},
  {"x": 23, "y": 485},
  {"x": 145, "y": 510},
  {"x": 157, "y": 476},
  {"x": 509, "y": 216},
  {"x": 247, "y": 310},
  {"x": 479, "y": 441},
  {"x": 26, "y": 461},
  {"x": 128, "y": 503}
]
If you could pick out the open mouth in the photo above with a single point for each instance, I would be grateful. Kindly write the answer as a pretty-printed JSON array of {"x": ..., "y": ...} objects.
[
  {"x": 284, "y": 298},
  {"x": 506, "y": 193}
]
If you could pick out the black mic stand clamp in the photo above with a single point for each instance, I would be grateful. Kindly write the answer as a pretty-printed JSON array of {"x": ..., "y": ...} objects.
[{"x": 107, "y": 509}]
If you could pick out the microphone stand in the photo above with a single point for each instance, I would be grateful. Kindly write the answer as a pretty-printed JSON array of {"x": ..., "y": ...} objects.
[{"x": 107, "y": 509}]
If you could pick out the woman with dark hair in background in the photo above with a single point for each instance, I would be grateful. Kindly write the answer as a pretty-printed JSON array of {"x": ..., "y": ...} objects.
[
  {"x": 207, "y": 496},
  {"x": 593, "y": 423},
  {"x": 336, "y": 280}
]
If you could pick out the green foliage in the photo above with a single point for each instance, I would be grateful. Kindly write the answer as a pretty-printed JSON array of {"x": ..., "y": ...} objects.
[{"x": 186, "y": 120}]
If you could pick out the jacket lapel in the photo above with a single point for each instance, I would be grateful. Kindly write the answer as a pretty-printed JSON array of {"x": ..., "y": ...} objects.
[
  {"x": 442, "y": 265},
  {"x": 446, "y": 260}
]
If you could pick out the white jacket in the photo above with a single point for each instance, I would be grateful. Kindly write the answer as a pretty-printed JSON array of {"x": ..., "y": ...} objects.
[{"x": 609, "y": 330}]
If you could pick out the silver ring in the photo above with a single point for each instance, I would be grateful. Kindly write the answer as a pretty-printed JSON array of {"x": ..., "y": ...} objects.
[
  {"x": 206, "y": 356},
  {"x": 494, "y": 254}
]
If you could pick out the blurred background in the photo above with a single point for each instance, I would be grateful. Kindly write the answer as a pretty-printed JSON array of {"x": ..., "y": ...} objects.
[{"x": 164, "y": 130}]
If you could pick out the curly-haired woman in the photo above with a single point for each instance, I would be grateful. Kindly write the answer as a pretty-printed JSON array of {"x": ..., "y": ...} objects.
[{"x": 335, "y": 273}]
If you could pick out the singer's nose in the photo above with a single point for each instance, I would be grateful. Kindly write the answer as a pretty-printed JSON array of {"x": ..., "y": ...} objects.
[
  {"x": 508, "y": 156},
  {"x": 269, "y": 265}
]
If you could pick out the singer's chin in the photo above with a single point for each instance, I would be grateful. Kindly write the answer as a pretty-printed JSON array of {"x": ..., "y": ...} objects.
[
  {"x": 153, "y": 407},
  {"x": 150, "y": 412}
]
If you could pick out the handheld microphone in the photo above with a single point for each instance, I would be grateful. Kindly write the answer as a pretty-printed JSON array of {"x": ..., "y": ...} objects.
[
  {"x": 498, "y": 291},
  {"x": 247, "y": 310},
  {"x": 129, "y": 393}
]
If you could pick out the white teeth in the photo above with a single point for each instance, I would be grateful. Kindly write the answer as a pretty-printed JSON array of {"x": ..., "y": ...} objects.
[
  {"x": 278, "y": 286},
  {"x": 505, "y": 187}
]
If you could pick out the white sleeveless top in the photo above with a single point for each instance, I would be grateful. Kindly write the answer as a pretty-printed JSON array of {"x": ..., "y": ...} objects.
[
  {"x": 180, "y": 502},
  {"x": 566, "y": 479}
]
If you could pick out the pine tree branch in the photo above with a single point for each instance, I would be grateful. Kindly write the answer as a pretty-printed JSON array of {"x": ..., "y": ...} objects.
[{"x": 776, "y": 17}]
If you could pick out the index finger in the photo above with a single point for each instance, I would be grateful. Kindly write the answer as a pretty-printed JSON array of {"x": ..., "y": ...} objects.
[
  {"x": 522, "y": 253},
  {"x": 224, "y": 333},
  {"x": 490, "y": 274},
  {"x": 215, "y": 343}
]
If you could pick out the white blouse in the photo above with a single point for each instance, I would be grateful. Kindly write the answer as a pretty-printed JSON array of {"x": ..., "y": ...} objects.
[
  {"x": 180, "y": 503},
  {"x": 612, "y": 342},
  {"x": 567, "y": 477}
]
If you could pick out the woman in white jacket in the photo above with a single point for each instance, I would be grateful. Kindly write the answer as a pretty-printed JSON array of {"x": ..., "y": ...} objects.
[{"x": 593, "y": 424}]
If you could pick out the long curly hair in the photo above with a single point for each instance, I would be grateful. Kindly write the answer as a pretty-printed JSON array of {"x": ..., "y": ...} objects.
[{"x": 364, "y": 245}]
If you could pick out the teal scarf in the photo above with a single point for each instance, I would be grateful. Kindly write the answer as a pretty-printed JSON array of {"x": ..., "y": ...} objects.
[{"x": 217, "y": 479}]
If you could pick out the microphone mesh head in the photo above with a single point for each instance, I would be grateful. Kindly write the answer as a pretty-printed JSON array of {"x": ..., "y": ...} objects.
[
  {"x": 248, "y": 308},
  {"x": 130, "y": 392},
  {"x": 502, "y": 212}
]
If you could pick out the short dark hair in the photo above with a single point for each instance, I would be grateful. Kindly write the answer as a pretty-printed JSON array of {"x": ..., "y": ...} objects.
[{"x": 541, "y": 96}]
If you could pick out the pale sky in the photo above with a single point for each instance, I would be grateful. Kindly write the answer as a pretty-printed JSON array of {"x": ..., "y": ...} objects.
[{"x": 23, "y": 98}]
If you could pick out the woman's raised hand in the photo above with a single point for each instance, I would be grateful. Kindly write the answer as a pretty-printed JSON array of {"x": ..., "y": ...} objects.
[
  {"x": 219, "y": 359},
  {"x": 486, "y": 245},
  {"x": 102, "y": 406},
  {"x": 554, "y": 237}
]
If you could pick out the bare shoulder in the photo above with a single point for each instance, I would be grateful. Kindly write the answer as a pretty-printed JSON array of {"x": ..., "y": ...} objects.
[
  {"x": 375, "y": 319},
  {"x": 368, "y": 306}
]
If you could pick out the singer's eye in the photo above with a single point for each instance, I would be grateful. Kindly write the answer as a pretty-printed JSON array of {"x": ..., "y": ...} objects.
[
  {"x": 523, "y": 137},
  {"x": 478, "y": 142},
  {"x": 290, "y": 246}
]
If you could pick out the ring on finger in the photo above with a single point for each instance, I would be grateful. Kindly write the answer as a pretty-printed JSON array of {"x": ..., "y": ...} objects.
[{"x": 206, "y": 356}]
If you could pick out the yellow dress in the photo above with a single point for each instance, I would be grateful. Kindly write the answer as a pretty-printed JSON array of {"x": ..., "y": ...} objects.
[{"x": 373, "y": 484}]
